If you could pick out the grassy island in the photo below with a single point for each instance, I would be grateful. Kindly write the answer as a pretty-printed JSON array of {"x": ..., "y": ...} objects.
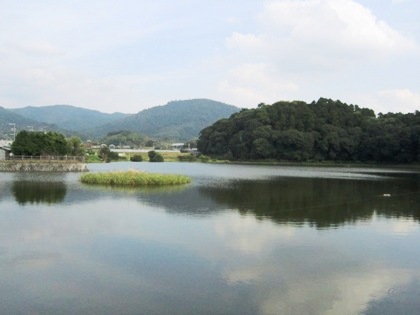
[{"x": 133, "y": 179}]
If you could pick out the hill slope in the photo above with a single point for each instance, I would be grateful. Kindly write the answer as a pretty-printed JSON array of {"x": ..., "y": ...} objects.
[
  {"x": 177, "y": 120},
  {"x": 68, "y": 117},
  {"x": 8, "y": 117},
  {"x": 324, "y": 130}
]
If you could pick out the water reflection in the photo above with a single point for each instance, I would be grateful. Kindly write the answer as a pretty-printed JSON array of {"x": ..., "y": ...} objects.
[
  {"x": 231, "y": 246},
  {"x": 34, "y": 192},
  {"x": 403, "y": 299},
  {"x": 320, "y": 202}
]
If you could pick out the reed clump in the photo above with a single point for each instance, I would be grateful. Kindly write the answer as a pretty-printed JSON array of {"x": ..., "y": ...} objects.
[{"x": 133, "y": 179}]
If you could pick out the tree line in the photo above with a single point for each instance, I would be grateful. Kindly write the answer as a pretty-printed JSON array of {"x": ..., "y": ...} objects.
[
  {"x": 36, "y": 143},
  {"x": 324, "y": 130}
]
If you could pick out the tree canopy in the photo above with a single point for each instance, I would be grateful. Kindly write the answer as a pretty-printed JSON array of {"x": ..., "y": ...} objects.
[
  {"x": 36, "y": 143},
  {"x": 322, "y": 130}
]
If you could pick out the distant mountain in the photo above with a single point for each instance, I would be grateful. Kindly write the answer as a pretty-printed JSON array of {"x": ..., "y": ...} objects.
[
  {"x": 68, "y": 117},
  {"x": 177, "y": 120},
  {"x": 8, "y": 117}
]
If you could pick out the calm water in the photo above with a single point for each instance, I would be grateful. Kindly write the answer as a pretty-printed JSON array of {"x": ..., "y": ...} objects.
[{"x": 238, "y": 240}]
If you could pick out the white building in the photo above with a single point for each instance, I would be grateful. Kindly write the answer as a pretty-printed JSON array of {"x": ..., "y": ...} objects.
[
  {"x": 4, "y": 152},
  {"x": 177, "y": 146}
]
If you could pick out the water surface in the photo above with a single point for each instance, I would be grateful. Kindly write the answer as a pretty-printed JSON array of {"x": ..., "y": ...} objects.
[{"x": 238, "y": 240}]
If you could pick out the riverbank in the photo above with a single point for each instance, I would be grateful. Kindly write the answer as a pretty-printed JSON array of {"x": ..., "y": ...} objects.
[{"x": 42, "y": 166}]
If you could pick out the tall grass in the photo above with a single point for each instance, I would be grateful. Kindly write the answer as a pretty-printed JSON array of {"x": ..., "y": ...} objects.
[{"x": 133, "y": 179}]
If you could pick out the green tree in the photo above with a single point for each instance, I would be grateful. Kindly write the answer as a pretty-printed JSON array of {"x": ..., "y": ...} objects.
[
  {"x": 39, "y": 143},
  {"x": 136, "y": 158},
  {"x": 107, "y": 155},
  {"x": 322, "y": 130},
  {"x": 155, "y": 156},
  {"x": 75, "y": 146}
]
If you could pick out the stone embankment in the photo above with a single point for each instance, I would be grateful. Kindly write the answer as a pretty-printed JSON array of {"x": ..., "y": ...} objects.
[{"x": 42, "y": 166}]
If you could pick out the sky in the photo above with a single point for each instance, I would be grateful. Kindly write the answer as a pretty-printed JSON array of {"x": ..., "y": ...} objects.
[{"x": 129, "y": 55}]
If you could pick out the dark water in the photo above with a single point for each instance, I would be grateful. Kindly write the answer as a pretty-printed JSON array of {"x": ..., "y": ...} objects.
[{"x": 238, "y": 240}]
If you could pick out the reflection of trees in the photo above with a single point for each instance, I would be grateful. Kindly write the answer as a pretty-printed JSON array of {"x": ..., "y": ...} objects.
[
  {"x": 189, "y": 201},
  {"x": 38, "y": 192},
  {"x": 321, "y": 202}
]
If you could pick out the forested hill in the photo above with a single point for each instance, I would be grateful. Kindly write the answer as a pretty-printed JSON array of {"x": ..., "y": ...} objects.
[
  {"x": 177, "y": 120},
  {"x": 7, "y": 118},
  {"x": 323, "y": 130},
  {"x": 67, "y": 116}
]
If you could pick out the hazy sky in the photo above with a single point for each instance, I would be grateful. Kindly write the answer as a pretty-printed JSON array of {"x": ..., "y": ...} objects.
[{"x": 128, "y": 55}]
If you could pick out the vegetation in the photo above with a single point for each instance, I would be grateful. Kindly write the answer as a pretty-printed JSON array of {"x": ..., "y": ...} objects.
[
  {"x": 75, "y": 146},
  {"x": 39, "y": 143},
  {"x": 8, "y": 116},
  {"x": 187, "y": 158},
  {"x": 175, "y": 121},
  {"x": 155, "y": 156},
  {"x": 126, "y": 137},
  {"x": 92, "y": 157},
  {"x": 106, "y": 155},
  {"x": 325, "y": 130},
  {"x": 134, "y": 179},
  {"x": 136, "y": 158},
  {"x": 168, "y": 156},
  {"x": 68, "y": 117}
]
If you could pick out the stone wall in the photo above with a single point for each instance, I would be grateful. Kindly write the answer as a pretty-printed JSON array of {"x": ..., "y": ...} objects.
[{"x": 42, "y": 166}]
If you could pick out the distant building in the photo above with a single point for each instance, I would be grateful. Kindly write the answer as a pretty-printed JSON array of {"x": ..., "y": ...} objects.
[
  {"x": 5, "y": 153},
  {"x": 177, "y": 146},
  {"x": 5, "y": 143}
]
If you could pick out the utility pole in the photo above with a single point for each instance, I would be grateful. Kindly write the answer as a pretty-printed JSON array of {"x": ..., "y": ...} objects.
[{"x": 14, "y": 130}]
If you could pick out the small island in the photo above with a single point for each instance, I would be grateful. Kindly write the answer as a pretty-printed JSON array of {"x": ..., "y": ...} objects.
[{"x": 133, "y": 178}]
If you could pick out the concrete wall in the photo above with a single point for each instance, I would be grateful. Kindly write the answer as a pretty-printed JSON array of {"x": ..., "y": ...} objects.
[{"x": 42, "y": 166}]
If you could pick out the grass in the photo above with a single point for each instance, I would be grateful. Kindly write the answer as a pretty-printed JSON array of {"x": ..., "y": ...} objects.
[
  {"x": 133, "y": 179},
  {"x": 167, "y": 156}
]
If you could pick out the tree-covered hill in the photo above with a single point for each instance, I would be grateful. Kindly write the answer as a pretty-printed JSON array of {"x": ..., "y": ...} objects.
[
  {"x": 68, "y": 117},
  {"x": 323, "y": 130},
  {"x": 8, "y": 117},
  {"x": 177, "y": 120}
]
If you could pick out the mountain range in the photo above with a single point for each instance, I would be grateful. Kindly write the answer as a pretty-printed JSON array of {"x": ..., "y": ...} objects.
[{"x": 176, "y": 121}]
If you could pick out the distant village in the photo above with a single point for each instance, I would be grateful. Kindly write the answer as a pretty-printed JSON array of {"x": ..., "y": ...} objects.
[{"x": 122, "y": 150}]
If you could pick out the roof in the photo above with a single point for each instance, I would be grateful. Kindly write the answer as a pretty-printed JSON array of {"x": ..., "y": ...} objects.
[{"x": 5, "y": 148}]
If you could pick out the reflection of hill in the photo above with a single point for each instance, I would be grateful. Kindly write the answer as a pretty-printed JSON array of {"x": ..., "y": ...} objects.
[
  {"x": 190, "y": 201},
  {"x": 38, "y": 192},
  {"x": 183, "y": 199},
  {"x": 321, "y": 202}
]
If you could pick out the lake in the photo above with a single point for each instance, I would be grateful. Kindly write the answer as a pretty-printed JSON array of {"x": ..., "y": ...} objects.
[{"x": 241, "y": 239}]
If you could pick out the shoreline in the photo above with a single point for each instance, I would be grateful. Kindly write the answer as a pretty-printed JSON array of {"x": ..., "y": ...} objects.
[{"x": 16, "y": 166}]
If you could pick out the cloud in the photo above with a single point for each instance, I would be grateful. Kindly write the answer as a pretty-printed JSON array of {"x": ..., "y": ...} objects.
[
  {"x": 133, "y": 55},
  {"x": 392, "y": 100},
  {"x": 404, "y": 99},
  {"x": 311, "y": 48},
  {"x": 251, "y": 84},
  {"x": 333, "y": 27},
  {"x": 34, "y": 48},
  {"x": 287, "y": 283}
]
